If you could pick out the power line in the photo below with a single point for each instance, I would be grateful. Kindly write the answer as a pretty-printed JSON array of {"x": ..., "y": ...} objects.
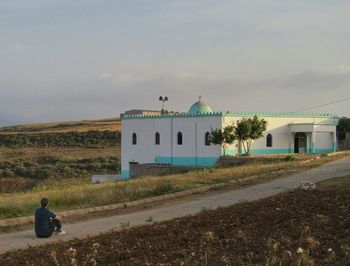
[{"x": 322, "y": 105}]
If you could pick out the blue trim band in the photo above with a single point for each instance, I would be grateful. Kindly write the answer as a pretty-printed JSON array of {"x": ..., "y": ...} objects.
[
  {"x": 270, "y": 151},
  {"x": 324, "y": 150},
  {"x": 313, "y": 148},
  {"x": 187, "y": 161},
  {"x": 126, "y": 174},
  {"x": 231, "y": 152}
]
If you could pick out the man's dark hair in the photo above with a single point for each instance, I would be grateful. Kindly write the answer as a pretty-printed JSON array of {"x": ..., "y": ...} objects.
[{"x": 44, "y": 202}]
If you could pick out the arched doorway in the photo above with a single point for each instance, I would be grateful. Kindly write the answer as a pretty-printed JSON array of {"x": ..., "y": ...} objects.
[{"x": 300, "y": 142}]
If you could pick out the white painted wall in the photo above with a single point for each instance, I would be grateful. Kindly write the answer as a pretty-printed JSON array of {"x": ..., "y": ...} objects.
[
  {"x": 146, "y": 151},
  {"x": 193, "y": 130},
  {"x": 188, "y": 128},
  {"x": 324, "y": 140},
  {"x": 280, "y": 130}
]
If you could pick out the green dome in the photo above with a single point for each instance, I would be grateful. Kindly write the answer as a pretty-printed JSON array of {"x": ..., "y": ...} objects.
[{"x": 200, "y": 107}]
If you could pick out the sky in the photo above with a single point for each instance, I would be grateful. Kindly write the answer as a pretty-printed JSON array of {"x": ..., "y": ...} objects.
[{"x": 89, "y": 59}]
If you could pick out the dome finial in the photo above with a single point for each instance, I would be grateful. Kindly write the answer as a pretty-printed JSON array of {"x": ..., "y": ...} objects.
[{"x": 199, "y": 97}]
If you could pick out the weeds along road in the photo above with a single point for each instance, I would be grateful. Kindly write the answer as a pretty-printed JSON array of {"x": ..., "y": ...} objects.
[{"x": 94, "y": 227}]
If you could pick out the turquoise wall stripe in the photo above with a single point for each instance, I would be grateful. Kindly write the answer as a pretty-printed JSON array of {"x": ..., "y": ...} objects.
[
  {"x": 334, "y": 146},
  {"x": 324, "y": 150},
  {"x": 283, "y": 151},
  {"x": 126, "y": 174},
  {"x": 313, "y": 148},
  {"x": 187, "y": 161},
  {"x": 230, "y": 152},
  {"x": 270, "y": 151}
]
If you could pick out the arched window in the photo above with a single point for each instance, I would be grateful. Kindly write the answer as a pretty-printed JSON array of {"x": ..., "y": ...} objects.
[
  {"x": 179, "y": 138},
  {"x": 157, "y": 138},
  {"x": 207, "y": 139},
  {"x": 134, "y": 138},
  {"x": 269, "y": 140}
]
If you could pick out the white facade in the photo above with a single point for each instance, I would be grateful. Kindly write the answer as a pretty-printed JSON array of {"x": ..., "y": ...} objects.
[
  {"x": 193, "y": 150},
  {"x": 291, "y": 133}
]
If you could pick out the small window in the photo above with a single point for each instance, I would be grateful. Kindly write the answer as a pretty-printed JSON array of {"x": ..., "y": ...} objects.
[
  {"x": 134, "y": 139},
  {"x": 157, "y": 138},
  {"x": 179, "y": 138},
  {"x": 269, "y": 140},
  {"x": 207, "y": 139}
]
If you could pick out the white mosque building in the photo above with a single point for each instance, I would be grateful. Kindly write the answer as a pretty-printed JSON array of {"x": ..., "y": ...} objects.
[{"x": 183, "y": 138}]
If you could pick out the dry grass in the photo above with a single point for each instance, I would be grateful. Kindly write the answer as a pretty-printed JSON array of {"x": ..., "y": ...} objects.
[
  {"x": 62, "y": 127},
  {"x": 63, "y": 163},
  {"x": 31, "y": 154},
  {"x": 73, "y": 194}
]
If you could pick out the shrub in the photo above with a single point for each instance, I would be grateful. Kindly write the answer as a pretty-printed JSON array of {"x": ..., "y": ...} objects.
[
  {"x": 91, "y": 139},
  {"x": 21, "y": 171},
  {"x": 7, "y": 173},
  {"x": 289, "y": 158}
]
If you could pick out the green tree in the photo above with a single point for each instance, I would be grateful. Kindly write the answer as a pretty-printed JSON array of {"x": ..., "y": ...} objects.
[
  {"x": 343, "y": 127},
  {"x": 223, "y": 137},
  {"x": 249, "y": 129}
]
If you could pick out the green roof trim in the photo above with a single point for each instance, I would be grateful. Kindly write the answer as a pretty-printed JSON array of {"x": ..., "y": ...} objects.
[
  {"x": 171, "y": 115},
  {"x": 231, "y": 114},
  {"x": 280, "y": 114},
  {"x": 311, "y": 124}
]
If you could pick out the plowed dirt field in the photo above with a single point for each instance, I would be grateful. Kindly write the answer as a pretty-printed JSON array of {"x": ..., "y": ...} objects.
[{"x": 295, "y": 228}]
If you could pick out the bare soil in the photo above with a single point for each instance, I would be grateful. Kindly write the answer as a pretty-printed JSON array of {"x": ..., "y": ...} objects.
[{"x": 295, "y": 228}]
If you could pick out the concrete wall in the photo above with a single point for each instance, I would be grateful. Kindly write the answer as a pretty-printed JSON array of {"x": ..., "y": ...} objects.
[
  {"x": 160, "y": 169},
  {"x": 231, "y": 161}
]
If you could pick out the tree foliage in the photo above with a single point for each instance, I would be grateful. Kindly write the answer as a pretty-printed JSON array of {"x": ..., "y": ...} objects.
[
  {"x": 223, "y": 137},
  {"x": 249, "y": 129},
  {"x": 343, "y": 127}
]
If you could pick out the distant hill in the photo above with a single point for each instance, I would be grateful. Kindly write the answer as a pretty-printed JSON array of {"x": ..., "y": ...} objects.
[
  {"x": 112, "y": 124},
  {"x": 58, "y": 150},
  {"x": 87, "y": 133}
]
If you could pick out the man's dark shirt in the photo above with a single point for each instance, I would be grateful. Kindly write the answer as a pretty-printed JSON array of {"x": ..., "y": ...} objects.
[{"x": 42, "y": 221}]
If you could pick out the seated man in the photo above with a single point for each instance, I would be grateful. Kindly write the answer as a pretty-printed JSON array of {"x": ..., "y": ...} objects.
[{"x": 46, "y": 222}]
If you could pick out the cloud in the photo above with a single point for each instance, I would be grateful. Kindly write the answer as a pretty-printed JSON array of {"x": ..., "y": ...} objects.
[
  {"x": 26, "y": 4},
  {"x": 106, "y": 75},
  {"x": 83, "y": 58},
  {"x": 122, "y": 78},
  {"x": 188, "y": 76},
  {"x": 316, "y": 81},
  {"x": 98, "y": 98},
  {"x": 20, "y": 47},
  {"x": 343, "y": 68}
]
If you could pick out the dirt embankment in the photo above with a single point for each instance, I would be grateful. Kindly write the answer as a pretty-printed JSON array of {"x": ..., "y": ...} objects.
[{"x": 296, "y": 228}]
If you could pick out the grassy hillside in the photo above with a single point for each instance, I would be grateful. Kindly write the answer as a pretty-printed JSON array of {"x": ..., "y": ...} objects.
[
  {"x": 112, "y": 124},
  {"x": 57, "y": 150},
  {"x": 74, "y": 194},
  {"x": 87, "y": 139}
]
